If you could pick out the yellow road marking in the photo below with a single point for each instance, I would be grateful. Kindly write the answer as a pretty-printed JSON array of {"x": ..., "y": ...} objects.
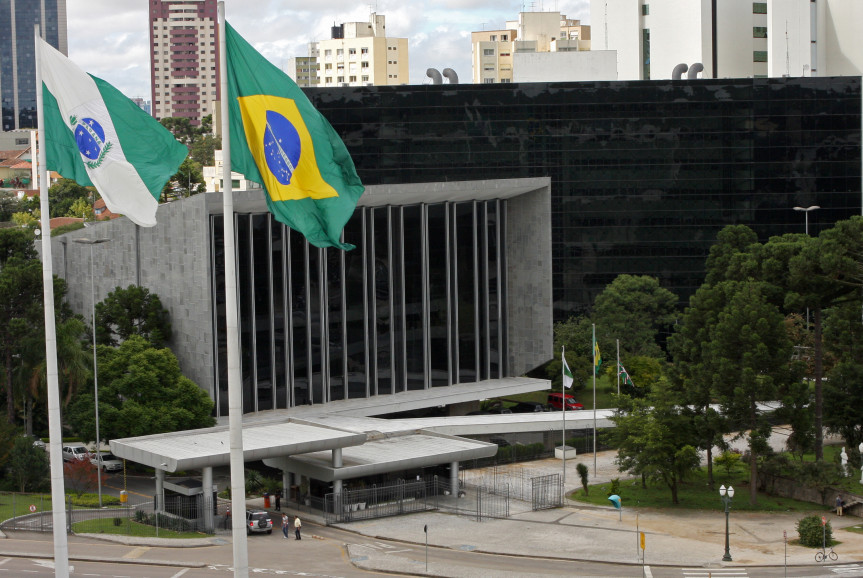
[{"x": 137, "y": 552}]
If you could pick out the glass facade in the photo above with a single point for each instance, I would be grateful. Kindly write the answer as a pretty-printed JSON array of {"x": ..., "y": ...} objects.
[
  {"x": 419, "y": 303},
  {"x": 17, "y": 55},
  {"x": 644, "y": 175}
]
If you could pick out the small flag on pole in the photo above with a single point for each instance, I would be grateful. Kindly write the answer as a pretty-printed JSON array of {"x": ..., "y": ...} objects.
[
  {"x": 96, "y": 136},
  {"x": 597, "y": 358},
  {"x": 624, "y": 375},
  {"x": 567, "y": 374}
]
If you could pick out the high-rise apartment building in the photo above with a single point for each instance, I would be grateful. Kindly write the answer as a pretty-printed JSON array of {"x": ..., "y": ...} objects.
[
  {"x": 361, "y": 54},
  {"x": 731, "y": 38},
  {"x": 493, "y": 51},
  {"x": 17, "y": 56},
  {"x": 304, "y": 69},
  {"x": 184, "y": 61}
]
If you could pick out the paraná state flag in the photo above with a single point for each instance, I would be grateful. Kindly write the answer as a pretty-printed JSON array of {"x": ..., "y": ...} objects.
[
  {"x": 279, "y": 139},
  {"x": 624, "y": 374},
  {"x": 96, "y": 136},
  {"x": 567, "y": 374}
]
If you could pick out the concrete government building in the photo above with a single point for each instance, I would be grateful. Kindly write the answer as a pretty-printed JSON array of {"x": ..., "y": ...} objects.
[{"x": 491, "y": 211}]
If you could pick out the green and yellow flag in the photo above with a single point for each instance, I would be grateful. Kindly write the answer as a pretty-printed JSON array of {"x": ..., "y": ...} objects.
[
  {"x": 278, "y": 139},
  {"x": 597, "y": 358}
]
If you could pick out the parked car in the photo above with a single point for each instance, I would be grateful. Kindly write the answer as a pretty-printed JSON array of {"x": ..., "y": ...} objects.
[
  {"x": 499, "y": 410},
  {"x": 73, "y": 452},
  {"x": 556, "y": 402},
  {"x": 500, "y": 442},
  {"x": 529, "y": 407},
  {"x": 110, "y": 462},
  {"x": 258, "y": 521},
  {"x": 37, "y": 442}
]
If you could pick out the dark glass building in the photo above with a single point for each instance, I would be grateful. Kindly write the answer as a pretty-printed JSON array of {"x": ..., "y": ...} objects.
[
  {"x": 643, "y": 174},
  {"x": 17, "y": 54}
]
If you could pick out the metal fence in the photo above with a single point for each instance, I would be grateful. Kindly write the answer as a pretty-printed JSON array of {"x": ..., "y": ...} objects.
[
  {"x": 136, "y": 517},
  {"x": 546, "y": 492},
  {"x": 400, "y": 497}
]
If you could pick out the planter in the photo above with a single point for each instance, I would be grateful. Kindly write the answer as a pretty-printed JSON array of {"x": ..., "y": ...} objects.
[{"x": 568, "y": 452}]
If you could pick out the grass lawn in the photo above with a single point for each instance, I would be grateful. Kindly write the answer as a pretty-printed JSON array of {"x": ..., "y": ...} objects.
[
  {"x": 694, "y": 494},
  {"x": 128, "y": 528}
]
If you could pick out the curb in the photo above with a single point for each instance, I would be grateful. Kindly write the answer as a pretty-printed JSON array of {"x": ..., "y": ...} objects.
[{"x": 143, "y": 561}]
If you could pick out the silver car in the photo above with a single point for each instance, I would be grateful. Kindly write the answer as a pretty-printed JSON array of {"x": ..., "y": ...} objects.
[
  {"x": 110, "y": 462},
  {"x": 258, "y": 521}
]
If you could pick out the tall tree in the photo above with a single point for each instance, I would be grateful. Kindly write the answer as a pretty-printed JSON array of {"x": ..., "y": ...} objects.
[
  {"x": 635, "y": 309},
  {"x": 27, "y": 465},
  {"x": 16, "y": 242},
  {"x": 132, "y": 311},
  {"x": 575, "y": 335},
  {"x": 63, "y": 194},
  {"x": 141, "y": 391},
  {"x": 187, "y": 181},
  {"x": 653, "y": 438}
]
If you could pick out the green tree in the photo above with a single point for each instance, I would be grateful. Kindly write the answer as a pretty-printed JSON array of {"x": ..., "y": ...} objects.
[
  {"x": 636, "y": 309},
  {"x": 203, "y": 150},
  {"x": 132, "y": 311},
  {"x": 643, "y": 372},
  {"x": 574, "y": 334},
  {"x": 27, "y": 465},
  {"x": 653, "y": 438},
  {"x": 63, "y": 194},
  {"x": 16, "y": 242},
  {"x": 843, "y": 398},
  {"x": 181, "y": 127},
  {"x": 187, "y": 181},
  {"x": 81, "y": 209},
  {"x": 9, "y": 203},
  {"x": 141, "y": 391}
]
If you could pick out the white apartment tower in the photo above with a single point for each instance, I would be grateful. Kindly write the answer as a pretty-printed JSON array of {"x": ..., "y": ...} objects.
[
  {"x": 361, "y": 54},
  {"x": 493, "y": 51},
  {"x": 731, "y": 38},
  {"x": 184, "y": 61}
]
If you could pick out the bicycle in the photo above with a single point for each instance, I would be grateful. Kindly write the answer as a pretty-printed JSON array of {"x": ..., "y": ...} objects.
[{"x": 823, "y": 555}]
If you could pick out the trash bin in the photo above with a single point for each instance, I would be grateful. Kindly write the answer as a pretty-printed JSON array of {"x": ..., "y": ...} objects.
[
  {"x": 266, "y": 500},
  {"x": 123, "y": 497}
]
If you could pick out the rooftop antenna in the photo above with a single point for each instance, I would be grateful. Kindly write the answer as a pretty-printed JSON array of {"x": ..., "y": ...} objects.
[
  {"x": 787, "y": 57},
  {"x": 605, "y": 22}
]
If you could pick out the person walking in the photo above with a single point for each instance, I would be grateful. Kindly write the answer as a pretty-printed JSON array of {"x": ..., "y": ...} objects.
[
  {"x": 839, "y": 504},
  {"x": 297, "y": 527},
  {"x": 286, "y": 522}
]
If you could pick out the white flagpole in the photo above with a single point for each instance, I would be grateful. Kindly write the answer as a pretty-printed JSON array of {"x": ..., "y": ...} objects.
[
  {"x": 55, "y": 443},
  {"x": 618, "y": 366},
  {"x": 563, "y": 394},
  {"x": 593, "y": 329},
  {"x": 235, "y": 392}
]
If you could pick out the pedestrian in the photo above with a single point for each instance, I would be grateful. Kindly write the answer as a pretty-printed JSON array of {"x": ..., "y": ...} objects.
[
  {"x": 279, "y": 500},
  {"x": 285, "y": 523},
  {"x": 297, "y": 526},
  {"x": 839, "y": 503}
]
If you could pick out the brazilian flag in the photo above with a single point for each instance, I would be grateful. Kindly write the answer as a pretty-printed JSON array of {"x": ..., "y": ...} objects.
[{"x": 278, "y": 139}]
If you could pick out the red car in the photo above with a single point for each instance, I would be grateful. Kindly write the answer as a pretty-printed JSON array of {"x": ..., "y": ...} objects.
[{"x": 556, "y": 401}]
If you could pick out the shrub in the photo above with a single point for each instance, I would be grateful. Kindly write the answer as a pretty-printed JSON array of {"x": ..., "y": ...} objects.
[
  {"x": 812, "y": 534},
  {"x": 727, "y": 461},
  {"x": 615, "y": 487},
  {"x": 582, "y": 473},
  {"x": 118, "y": 521}
]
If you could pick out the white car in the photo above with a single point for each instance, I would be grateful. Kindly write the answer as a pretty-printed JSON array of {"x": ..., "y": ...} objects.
[
  {"x": 110, "y": 462},
  {"x": 73, "y": 452}
]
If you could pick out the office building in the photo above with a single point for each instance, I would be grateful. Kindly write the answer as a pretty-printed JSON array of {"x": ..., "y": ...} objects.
[
  {"x": 304, "y": 69},
  {"x": 184, "y": 60},
  {"x": 361, "y": 54},
  {"x": 731, "y": 38},
  {"x": 449, "y": 282},
  {"x": 494, "y": 53},
  {"x": 17, "y": 58}
]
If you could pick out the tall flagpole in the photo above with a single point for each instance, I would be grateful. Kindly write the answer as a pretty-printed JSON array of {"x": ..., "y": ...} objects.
[
  {"x": 593, "y": 330},
  {"x": 55, "y": 443},
  {"x": 618, "y": 366},
  {"x": 235, "y": 392},
  {"x": 563, "y": 399}
]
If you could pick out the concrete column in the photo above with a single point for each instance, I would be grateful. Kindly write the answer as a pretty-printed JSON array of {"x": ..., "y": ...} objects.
[
  {"x": 453, "y": 478},
  {"x": 207, "y": 502},
  {"x": 286, "y": 485},
  {"x": 160, "y": 490},
  {"x": 337, "y": 463}
]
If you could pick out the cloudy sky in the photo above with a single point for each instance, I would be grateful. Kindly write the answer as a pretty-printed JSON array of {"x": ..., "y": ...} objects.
[{"x": 110, "y": 38}]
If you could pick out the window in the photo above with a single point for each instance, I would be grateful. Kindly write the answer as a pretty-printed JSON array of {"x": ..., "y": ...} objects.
[
  {"x": 759, "y": 56},
  {"x": 328, "y": 66},
  {"x": 352, "y": 50},
  {"x": 645, "y": 9},
  {"x": 493, "y": 38},
  {"x": 352, "y": 79},
  {"x": 488, "y": 81},
  {"x": 759, "y": 32},
  {"x": 364, "y": 64},
  {"x": 759, "y": 7},
  {"x": 365, "y": 78},
  {"x": 488, "y": 52},
  {"x": 364, "y": 50},
  {"x": 504, "y": 54},
  {"x": 504, "y": 37},
  {"x": 505, "y": 80},
  {"x": 340, "y": 51}
]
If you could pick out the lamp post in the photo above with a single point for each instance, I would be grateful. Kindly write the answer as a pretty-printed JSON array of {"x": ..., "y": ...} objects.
[
  {"x": 92, "y": 242},
  {"x": 726, "y": 495},
  {"x": 806, "y": 211}
]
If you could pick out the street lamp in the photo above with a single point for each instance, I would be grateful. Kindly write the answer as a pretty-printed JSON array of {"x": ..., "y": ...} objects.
[
  {"x": 726, "y": 499},
  {"x": 92, "y": 242},
  {"x": 806, "y": 212}
]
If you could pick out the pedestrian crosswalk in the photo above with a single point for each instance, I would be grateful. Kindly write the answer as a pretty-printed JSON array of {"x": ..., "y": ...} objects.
[
  {"x": 847, "y": 569},
  {"x": 714, "y": 572}
]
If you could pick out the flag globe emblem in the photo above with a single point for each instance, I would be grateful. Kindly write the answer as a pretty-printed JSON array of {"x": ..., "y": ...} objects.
[
  {"x": 282, "y": 147},
  {"x": 90, "y": 137}
]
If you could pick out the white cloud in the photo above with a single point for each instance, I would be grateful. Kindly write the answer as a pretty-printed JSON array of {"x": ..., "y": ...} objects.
[{"x": 110, "y": 38}]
